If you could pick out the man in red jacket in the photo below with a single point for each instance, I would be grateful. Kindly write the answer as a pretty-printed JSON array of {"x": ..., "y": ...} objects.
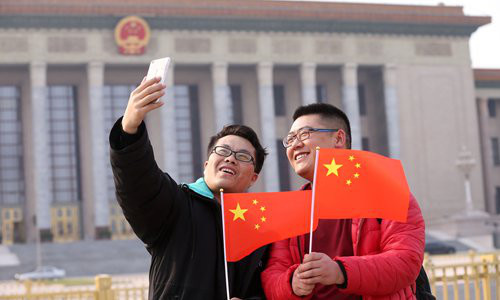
[{"x": 368, "y": 258}]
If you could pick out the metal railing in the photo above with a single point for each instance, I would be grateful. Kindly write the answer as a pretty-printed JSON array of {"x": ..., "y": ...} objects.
[
  {"x": 464, "y": 276},
  {"x": 104, "y": 290}
]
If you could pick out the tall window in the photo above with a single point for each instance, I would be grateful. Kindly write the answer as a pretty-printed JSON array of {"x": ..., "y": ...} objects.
[
  {"x": 495, "y": 147},
  {"x": 492, "y": 107},
  {"x": 497, "y": 198},
  {"x": 283, "y": 168},
  {"x": 321, "y": 93},
  {"x": 63, "y": 136},
  {"x": 195, "y": 131},
  {"x": 187, "y": 118},
  {"x": 237, "y": 101},
  {"x": 11, "y": 150},
  {"x": 365, "y": 144},
  {"x": 115, "y": 102},
  {"x": 279, "y": 100},
  {"x": 362, "y": 100}
]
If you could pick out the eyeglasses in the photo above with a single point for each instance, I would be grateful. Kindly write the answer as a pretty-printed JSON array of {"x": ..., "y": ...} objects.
[
  {"x": 239, "y": 155},
  {"x": 303, "y": 134}
]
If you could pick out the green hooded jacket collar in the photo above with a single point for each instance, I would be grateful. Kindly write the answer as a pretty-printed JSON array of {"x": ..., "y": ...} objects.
[{"x": 201, "y": 187}]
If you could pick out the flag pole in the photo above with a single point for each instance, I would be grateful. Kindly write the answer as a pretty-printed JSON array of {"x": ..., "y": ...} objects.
[
  {"x": 224, "y": 241},
  {"x": 312, "y": 202}
]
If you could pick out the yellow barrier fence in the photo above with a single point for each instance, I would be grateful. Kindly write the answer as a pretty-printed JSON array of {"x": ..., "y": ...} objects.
[
  {"x": 103, "y": 290},
  {"x": 471, "y": 276}
]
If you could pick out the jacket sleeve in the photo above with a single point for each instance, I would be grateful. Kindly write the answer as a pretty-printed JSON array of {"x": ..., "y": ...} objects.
[
  {"x": 146, "y": 195},
  {"x": 398, "y": 263},
  {"x": 276, "y": 278}
]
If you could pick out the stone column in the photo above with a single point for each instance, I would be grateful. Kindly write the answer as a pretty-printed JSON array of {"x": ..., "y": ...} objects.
[
  {"x": 308, "y": 80},
  {"x": 41, "y": 152},
  {"x": 95, "y": 79},
  {"x": 350, "y": 102},
  {"x": 222, "y": 102},
  {"x": 268, "y": 128},
  {"x": 392, "y": 111},
  {"x": 487, "y": 154}
]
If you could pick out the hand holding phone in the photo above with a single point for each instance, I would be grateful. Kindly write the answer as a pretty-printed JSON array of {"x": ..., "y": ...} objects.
[
  {"x": 158, "y": 68},
  {"x": 140, "y": 103}
]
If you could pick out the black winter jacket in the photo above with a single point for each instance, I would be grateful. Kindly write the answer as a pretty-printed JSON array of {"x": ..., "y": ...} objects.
[{"x": 180, "y": 225}]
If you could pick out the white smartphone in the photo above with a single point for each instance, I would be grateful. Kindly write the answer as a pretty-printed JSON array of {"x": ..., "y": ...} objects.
[{"x": 158, "y": 68}]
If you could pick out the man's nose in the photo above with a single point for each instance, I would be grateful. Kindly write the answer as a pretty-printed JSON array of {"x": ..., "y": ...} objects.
[{"x": 231, "y": 158}]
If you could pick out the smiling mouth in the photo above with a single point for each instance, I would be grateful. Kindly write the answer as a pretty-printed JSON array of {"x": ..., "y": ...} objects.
[
  {"x": 227, "y": 171},
  {"x": 301, "y": 156}
]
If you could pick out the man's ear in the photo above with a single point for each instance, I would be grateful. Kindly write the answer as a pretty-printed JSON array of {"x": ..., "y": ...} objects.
[
  {"x": 255, "y": 176},
  {"x": 340, "y": 139}
]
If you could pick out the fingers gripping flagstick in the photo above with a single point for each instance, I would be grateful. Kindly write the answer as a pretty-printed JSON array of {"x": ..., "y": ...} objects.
[
  {"x": 312, "y": 201},
  {"x": 224, "y": 241}
]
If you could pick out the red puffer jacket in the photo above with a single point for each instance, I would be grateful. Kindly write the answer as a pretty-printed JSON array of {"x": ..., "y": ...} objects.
[{"x": 387, "y": 259}]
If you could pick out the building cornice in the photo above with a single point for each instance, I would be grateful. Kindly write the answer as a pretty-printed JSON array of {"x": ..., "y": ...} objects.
[
  {"x": 246, "y": 15},
  {"x": 488, "y": 84},
  {"x": 238, "y": 24},
  {"x": 487, "y": 78}
]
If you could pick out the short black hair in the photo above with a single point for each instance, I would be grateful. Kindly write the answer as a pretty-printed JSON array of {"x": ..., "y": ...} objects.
[
  {"x": 329, "y": 112},
  {"x": 246, "y": 133}
]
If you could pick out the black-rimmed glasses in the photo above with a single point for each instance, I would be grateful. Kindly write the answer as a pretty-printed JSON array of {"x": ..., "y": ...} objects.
[
  {"x": 239, "y": 155},
  {"x": 303, "y": 134}
]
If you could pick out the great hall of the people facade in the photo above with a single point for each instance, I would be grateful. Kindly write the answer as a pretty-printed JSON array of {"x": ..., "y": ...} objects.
[{"x": 402, "y": 73}]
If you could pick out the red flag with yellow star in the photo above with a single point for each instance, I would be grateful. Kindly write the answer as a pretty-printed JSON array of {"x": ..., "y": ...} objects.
[
  {"x": 360, "y": 184},
  {"x": 253, "y": 220}
]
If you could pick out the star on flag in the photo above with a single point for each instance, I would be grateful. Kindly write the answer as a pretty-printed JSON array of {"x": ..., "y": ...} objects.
[
  {"x": 238, "y": 213},
  {"x": 333, "y": 168}
]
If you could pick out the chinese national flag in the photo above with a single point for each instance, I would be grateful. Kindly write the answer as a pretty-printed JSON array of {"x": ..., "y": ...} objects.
[
  {"x": 253, "y": 220},
  {"x": 360, "y": 184}
]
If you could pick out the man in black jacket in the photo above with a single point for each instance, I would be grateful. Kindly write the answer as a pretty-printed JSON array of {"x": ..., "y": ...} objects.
[{"x": 181, "y": 224}]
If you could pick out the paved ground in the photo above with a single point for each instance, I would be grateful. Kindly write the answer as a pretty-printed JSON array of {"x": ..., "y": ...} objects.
[
  {"x": 82, "y": 258},
  {"x": 7, "y": 258}
]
